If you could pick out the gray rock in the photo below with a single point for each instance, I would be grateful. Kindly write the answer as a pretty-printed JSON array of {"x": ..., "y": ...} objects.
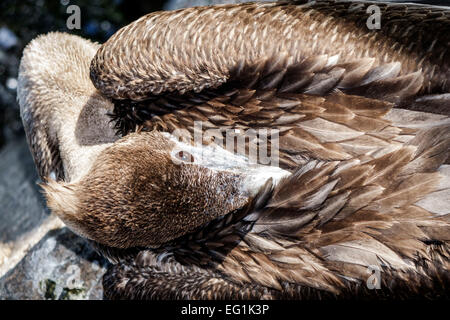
[
  {"x": 22, "y": 205},
  {"x": 44, "y": 261},
  {"x": 24, "y": 219},
  {"x": 61, "y": 266}
]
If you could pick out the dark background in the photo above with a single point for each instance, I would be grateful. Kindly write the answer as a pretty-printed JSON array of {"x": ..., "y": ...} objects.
[{"x": 21, "y": 21}]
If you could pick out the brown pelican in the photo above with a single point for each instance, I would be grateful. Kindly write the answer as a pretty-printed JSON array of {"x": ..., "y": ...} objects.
[{"x": 362, "y": 182}]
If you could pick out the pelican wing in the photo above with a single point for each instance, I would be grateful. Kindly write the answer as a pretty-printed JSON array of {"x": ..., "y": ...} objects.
[
  {"x": 297, "y": 126},
  {"x": 172, "y": 60},
  {"x": 372, "y": 191},
  {"x": 320, "y": 233}
]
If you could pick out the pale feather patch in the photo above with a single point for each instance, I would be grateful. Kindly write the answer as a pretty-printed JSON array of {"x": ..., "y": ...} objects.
[
  {"x": 438, "y": 202},
  {"x": 216, "y": 158},
  {"x": 63, "y": 201}
]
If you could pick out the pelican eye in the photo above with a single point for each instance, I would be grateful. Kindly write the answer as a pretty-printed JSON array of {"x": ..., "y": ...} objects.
[{"x": 185, "y": 156}]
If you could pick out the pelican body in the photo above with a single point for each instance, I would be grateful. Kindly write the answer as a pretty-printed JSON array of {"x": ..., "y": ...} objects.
[{"x": 363, "y": 137}]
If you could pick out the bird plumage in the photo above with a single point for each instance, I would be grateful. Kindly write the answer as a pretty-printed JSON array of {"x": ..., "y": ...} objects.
[{"x": 365, "y": 181}]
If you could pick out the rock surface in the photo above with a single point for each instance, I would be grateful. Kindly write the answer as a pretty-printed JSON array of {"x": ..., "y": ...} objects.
[
  {"x": 61, "y": 266},
  {"x": 24, "y": 218},
  {"x": 22, "y": 204},
  {"x": 39, "y": 259}
]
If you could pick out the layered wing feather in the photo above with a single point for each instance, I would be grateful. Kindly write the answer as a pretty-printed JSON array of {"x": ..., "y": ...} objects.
[
  {"x": 172, "y": 60},
  {"x": 371, "y": 189},
  {"x": 321, "y": 231}
]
